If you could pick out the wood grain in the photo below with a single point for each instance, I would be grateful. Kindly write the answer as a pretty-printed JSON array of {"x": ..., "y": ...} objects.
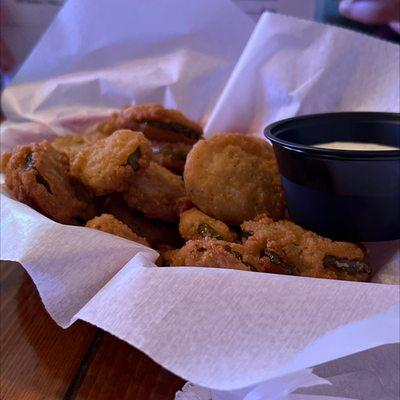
[
  {"x": 40, "y": 360},
  {"x": 119, "y": 371}
]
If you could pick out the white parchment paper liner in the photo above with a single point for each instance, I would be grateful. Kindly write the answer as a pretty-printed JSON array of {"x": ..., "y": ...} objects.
[{"x": 221, "y": 329}]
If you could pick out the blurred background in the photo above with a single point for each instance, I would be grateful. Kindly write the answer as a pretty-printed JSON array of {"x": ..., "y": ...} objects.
[{"x": 24, "y": 21}]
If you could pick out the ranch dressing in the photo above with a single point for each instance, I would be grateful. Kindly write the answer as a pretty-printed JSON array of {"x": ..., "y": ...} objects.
[{"x": 354, "y": 146}]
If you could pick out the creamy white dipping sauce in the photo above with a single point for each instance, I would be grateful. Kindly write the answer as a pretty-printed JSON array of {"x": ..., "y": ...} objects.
[{"x": 354, "y": 146}]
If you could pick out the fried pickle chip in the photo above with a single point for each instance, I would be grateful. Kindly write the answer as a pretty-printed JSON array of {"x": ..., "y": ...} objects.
[
  {"x": 160, "y": 234},
  {"x": 108, "y": 223},
  {"x": 37, "y": 175},
  {"x": 72, "y": 144},
  {"x": 213, "y": 253},
  {"x": 155, "y": 192},
  {"x": 193, "y": 224},
  {"x": 233, "y": 178},
  {"x": 156, "y": 122},
  {"x": 110, "y": 164},
  {"x": 171, "y": 155},
  {"x": 302, "y": 252}
]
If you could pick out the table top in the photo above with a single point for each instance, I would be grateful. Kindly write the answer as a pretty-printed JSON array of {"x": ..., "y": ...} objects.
[{"x": 40, "y": 360}]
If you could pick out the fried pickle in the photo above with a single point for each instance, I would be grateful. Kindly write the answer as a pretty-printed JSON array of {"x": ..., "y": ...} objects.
[
  {"x": 72, "y": 144},
  {"x": 193, "y": 224},
  {"x": 233, "y": 178},
  {"x": 38, "y": 175},
  {"x": 171, "y": 155},
  {"x": 110, "y": 164},
  {"x": 213, "y": 253},
  {"x": 159, "y": 234},
  {"x": 155, "y": 192},
  {"x": 156, "y": 122},
  {"x": 108, "y": 223},
  {"x": 302, "y": 252}
]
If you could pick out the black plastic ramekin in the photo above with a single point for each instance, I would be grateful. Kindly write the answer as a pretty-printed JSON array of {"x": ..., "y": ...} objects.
[{"x": 341, "y": 194}]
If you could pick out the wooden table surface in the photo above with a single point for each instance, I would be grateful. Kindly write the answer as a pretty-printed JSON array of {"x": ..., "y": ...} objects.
[{"x": 40, "y": 360}]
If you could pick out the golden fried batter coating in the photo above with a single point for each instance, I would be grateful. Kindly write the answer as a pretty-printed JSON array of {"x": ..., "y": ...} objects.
[
  {"x": 171, "y": 155},
  {"x": 194, "y": 224},
  {"x": 184, "y": 204},
  {"x": 37, "y": 175},
  {"x": 155, "y": 192},
  {"x": 72, "y": 144},
  {"x": 5, "y": 157},
  {"x": 213, "y": 253},
  {"x": 156, "y": 122},
  {"x": 233, "y": 178},
  {"x": 108, "y": 223},
  {"x": 110, "y": 164},
  {"x": 306, "y": 253},
  {"x": 157, "y": 232}
]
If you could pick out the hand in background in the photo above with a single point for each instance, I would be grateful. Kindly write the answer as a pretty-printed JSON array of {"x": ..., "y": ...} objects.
[{"x": 373, "y": 12}]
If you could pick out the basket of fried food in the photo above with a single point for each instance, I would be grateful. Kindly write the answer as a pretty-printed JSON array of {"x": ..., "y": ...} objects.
[{"x": 148, "y": 175}]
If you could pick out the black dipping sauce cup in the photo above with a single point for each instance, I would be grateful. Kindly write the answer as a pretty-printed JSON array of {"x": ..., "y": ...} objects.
[{"x": 341, "y": 194}]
